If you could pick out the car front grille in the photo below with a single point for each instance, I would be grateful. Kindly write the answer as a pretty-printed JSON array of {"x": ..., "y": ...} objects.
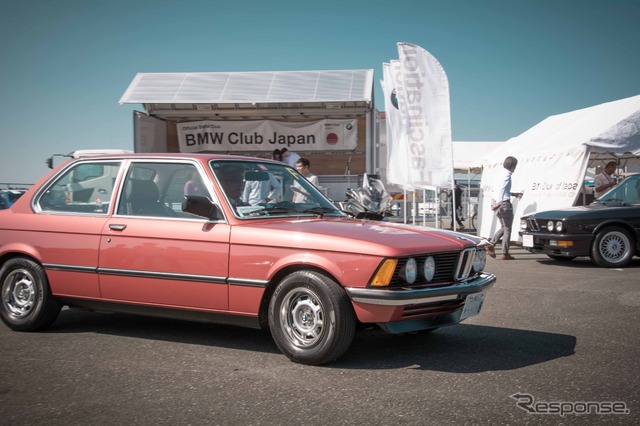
[
  {"x": 532, "y": 225},
  {"x": 450, "y": 266}
]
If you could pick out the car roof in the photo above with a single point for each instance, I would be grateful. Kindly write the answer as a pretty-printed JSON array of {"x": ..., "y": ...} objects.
[
  {"x": 200, "y": 157},
  {"x": 176, "y": 155}
]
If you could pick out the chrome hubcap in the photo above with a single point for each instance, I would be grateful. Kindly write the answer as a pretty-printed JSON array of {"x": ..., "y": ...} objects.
[
  {"x": 19, "y": 293},
  {"x": 614, "y": 246},
  {"x": 302, "y": 317}
]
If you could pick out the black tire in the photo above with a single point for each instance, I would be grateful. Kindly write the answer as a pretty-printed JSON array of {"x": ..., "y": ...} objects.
[
  {"x": 311, "y": 318},
  {"x": 27, "y": 303},
  {"x": 561, "y": 258},
  {"x": 612, "y": 247}
]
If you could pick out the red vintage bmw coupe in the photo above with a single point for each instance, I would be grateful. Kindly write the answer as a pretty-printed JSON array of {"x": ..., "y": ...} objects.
[{"x": 217, "y": 239}]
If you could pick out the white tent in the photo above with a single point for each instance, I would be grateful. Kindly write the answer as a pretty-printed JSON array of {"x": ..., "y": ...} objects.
[
  {"x": 553, "y": 157},
  {"x": 467, "y": 155}
]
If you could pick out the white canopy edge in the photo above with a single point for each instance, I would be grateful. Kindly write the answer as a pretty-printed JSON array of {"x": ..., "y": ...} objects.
[
  {"x": 251, "y": 87},
  {"x": 611, "y": 128}
]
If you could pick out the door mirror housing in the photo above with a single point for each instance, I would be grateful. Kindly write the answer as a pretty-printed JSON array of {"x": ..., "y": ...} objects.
[{"x": 201, "y": 206}]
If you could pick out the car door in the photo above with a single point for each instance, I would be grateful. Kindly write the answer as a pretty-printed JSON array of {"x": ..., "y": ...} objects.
[
  {"x": 70, "y": 213},
  {"x": 153, "y": 253}
]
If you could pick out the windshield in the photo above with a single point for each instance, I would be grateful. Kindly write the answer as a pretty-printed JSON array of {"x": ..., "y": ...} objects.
[
  {"x": 627, "y": 192},
  {"x": 257, "y": 189}
]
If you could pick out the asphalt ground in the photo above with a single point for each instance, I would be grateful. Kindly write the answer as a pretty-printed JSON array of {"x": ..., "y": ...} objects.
[{"x": 557, "y": 335}]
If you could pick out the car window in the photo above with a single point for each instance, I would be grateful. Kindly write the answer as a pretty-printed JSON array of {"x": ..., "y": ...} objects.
[
  {"x": 258, "y": 189},
  {"x": 158, "y": 189},
  {"x": 628, "y": 192},
  {"x": 83, "y": 188}
]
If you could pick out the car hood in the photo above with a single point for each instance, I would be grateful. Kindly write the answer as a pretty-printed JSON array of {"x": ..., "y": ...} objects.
[
  {"x": 351, "y": 236},
  {"x": 592, "y": 211}
]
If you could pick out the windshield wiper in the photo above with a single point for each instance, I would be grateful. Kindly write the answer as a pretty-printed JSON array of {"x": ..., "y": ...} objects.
[
  {"x": 279, "y": 210},
  {"x": 320, "y": 211},
  {"x": 613, "y": 202}
]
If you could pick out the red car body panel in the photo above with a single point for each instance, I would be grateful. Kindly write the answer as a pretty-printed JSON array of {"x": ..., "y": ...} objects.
[
  {"x": 228, "y": 265},
  {"x": 165, "y": 247}
]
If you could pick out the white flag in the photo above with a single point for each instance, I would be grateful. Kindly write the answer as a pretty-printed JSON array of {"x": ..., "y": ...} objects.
[
  {"x": 397, "y": 148},
  {"x": 423, "y": 97}
]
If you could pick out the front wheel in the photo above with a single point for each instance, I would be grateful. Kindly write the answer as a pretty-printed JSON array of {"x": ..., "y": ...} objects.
[
  {"x": 311, "y": 318},
  {"x": 612, "y": 248},
  {"x": 27, "y": 303}
]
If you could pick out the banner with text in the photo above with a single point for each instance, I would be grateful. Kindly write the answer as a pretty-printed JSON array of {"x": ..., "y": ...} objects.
[
  {"x": 267, "y": 135},
  {"x": 423, "y": 98},
  {"x": 397, "y": 144},
  {"x": 547, "y": 181}
]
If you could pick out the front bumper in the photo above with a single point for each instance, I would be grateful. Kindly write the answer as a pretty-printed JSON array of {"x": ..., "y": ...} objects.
[
  {"x": 558, "y": 244},
  {"x": 405, "y": 309}
]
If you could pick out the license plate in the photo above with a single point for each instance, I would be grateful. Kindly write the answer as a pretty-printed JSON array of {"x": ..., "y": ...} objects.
[
  {"x": 472, "y": 305},
  {"x": 527, "y": 240}
]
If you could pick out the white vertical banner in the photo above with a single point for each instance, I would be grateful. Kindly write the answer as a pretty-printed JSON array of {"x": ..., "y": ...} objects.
[
  {"x": 397, "y": 149},
  {"x": 423, "y": 99}
]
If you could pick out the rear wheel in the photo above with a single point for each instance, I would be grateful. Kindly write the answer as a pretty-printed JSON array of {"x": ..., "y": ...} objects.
[
  {"x": 613, "y": 247},
  {"x": 27, "y": 303},
  {"x": 311, "y": 318}
]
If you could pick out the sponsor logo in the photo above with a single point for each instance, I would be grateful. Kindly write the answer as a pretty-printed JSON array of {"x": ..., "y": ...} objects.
[
  {"x": 529, "y": 404},
  {"x": 394, "y": 99},
  {"x": 332, "y": 139}
]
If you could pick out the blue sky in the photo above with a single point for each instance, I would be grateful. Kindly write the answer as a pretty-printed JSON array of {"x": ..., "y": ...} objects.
[{"x": 64, "y": 64}]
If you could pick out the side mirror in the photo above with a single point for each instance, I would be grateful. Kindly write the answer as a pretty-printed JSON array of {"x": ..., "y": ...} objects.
[{"x": 201, "y": 206}]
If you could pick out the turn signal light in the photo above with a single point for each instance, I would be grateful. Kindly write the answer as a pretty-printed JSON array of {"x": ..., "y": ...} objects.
[{"x": 382, "y": 278}]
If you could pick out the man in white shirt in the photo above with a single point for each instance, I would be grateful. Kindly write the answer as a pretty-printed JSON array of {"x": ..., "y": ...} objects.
[
  {"x": 605, "y": 180},
  {"x": 261, "y": 191},
  {"x": 299, "y": 194},
  {"x": 502, "y": 194}
]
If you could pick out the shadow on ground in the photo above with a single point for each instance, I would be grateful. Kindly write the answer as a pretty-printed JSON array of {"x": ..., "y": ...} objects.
[{"x": 458, "y": 349}]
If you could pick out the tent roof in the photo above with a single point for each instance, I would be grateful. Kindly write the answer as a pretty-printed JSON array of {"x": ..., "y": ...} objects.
[
  {"x": 253, "y": 95},
  {"x": 252, "y": 87},
  {"x": 467, "y": 155},
  {"x": 608, "y": 129}
]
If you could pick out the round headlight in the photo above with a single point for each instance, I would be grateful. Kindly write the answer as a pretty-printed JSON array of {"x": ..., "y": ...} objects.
[
  {"x": 523, "y": 225},
  {"x": 479, "y": 261},
  {"x": 429, "y": 268},
  {"x": 410, "y": 271},
  {"x": 559, "y": 226},
  {"x": 550, "y": 226}
]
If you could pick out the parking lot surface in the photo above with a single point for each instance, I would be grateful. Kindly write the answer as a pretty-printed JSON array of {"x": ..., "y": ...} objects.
[{"x": 555, "y": 343}]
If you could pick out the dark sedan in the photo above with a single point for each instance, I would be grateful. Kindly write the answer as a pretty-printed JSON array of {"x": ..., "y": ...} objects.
[
  {"x": 608, "y": 230},
  {"x": 9, "y": 196}
]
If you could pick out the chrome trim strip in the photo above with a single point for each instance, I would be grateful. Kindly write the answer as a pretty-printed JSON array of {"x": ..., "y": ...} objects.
[
  {"x": 163, "y": 275},
  {"x": 247, "y": 283},
  {"x": 136, "y": 273},
  {"x": 69, "y": 268},
  {"x": 403, "y": 297}
]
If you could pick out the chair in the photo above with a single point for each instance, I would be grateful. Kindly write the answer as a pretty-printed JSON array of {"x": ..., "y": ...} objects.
[{"x": 143, "y": 199}]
